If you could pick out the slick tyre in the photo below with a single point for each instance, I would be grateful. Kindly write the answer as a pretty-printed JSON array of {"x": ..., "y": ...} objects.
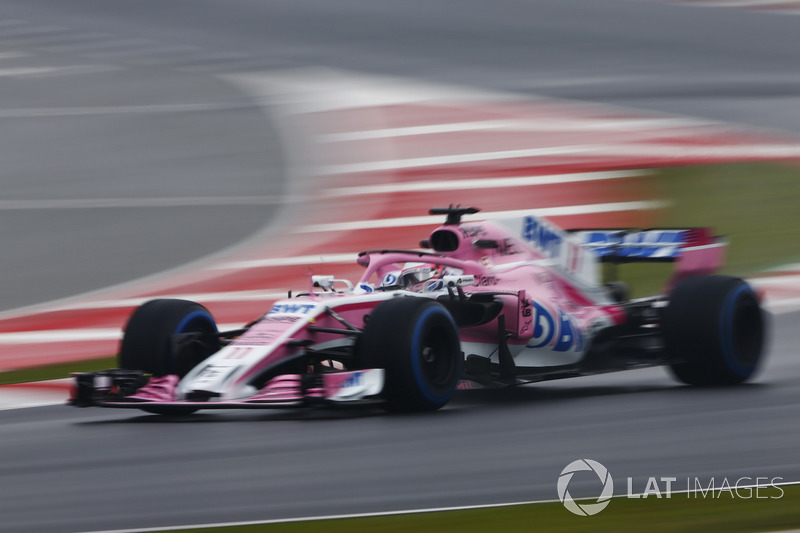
[
  {"x": 714, "y": 330},
  {"x": 416, "y": 341},
  {"x": 152, "y": 341}
]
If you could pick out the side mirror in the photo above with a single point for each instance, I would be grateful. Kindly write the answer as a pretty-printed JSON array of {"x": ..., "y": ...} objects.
[{"x": 458, "y": 281}]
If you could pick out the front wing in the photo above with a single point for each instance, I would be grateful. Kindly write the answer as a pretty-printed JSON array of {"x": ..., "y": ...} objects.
[{"x": 129, "y": 389}]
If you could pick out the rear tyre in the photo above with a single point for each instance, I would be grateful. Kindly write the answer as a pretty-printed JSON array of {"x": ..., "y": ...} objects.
[
  {"x": 416, "y": 341},
  {"x": 714, "y": 329},
  {"x": 150, "y": 343}
]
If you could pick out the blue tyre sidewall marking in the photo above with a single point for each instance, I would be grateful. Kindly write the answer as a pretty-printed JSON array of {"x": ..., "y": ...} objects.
[
  {"x": 415, "y": 355},
  {"x": 193, "y": 315},
  {"x": 188, "y": 319},
  {"x": 726, "y": 332}
]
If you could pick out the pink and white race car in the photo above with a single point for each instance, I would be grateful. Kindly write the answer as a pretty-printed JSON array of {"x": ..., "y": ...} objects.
[{"x": 486, "y": 304}]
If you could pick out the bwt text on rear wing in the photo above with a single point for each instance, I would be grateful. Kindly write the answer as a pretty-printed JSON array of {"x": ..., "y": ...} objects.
[{"x": 696, "y": 251}]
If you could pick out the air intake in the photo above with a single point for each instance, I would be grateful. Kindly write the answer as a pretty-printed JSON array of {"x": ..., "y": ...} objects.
[{"x": 443, "y": 240}]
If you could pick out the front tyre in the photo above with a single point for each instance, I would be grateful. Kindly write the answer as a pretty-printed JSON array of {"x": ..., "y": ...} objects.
[
  {"x": 416, "y": 341},
  {"x": 168, "y": 336},
  {"x": 714, "y": 329}
]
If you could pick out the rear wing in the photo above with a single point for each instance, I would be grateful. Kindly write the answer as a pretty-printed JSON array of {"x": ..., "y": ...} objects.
[
  {"x": 578, "y": 253},
  {"x": 696, "y": 251},
  {"x": 643, "y": 246}
]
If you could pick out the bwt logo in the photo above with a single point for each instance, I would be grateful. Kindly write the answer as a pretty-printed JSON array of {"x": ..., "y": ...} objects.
[
  {"x": 352, "y": 381},
  {"x": 541, "y": 236},
  {"x": 291, "y": 309},
  {"x": 585, "y": 509}
]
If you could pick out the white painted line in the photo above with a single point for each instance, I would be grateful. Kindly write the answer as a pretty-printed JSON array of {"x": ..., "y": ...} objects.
[
  {"x": 108, "y": 43},
  {"x": 37, "y": 394},
  {"x": 9, "y": 402},
  {"x": 27, "y": 71},
  {"x": 643, "y": 150},
  {"x": 439, "y": 160},
  {"x": 390, "y": 513},
  {"x": 73, "y": 335},
  {"x": 791, "y": 267},
  {"x": 544, "y": 125},
  {"x": 118, "y": 110},
  {"x": 233, "y": 296},
  {"x": 61, "y": 335},
  {"x": 57, "y": 71},
  {"x": 313, "y": 90},
  {"x": 741, "y": 3},
  {"x": 779, "y": 306},
  {"x": 787, "y": 281},
  {"x": 433, "y": 219},
  {"x": 104, "y": 203},
  {"x": 30, "y": 30},
  {"x": 319, "y": 259},
  {"x": 483, "y": 183},
  {"x": 12, "y": 55}
]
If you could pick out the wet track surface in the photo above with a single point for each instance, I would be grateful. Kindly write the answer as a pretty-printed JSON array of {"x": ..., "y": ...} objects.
[
  {"x": 69, "y": 136},
  {"x": 92, "y": 469}
]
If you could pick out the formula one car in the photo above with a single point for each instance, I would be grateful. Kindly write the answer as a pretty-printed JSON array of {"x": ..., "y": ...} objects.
[{"x": 481, "y": 304}]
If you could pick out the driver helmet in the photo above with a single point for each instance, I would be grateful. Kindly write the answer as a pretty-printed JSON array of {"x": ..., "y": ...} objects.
[{"x": 414, "y": 273}]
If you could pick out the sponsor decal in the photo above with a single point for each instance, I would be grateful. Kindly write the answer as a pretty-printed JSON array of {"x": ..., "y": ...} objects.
[
  {"x": 542, "y": 237},
  {"x": 526, "y": 313},
  {"x": 561, "y": 333},
  {"x": 208, "y": 374},
  {"x": 355, "y": 380},
  {"x": 389, "y": 280},
  {"x": 291, "y": 309},
  {"x": 486, "y": 281},
  {"x": 238, "y": 353},
  {"x": 282, "y": 319},
  {"x": 434, "y": 285},
  {"x": 508, "y": 247},
  {"x": 258, "y": 336},
  {"x": 527, "y": 310},
  {"x": 544, "y": 327},
  {"x": 648, "y": 243},
  {"x": 470, "y": 232}
]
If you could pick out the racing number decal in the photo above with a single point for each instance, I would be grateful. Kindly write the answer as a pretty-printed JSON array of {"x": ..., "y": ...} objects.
[{"x": 238, "y": 353}]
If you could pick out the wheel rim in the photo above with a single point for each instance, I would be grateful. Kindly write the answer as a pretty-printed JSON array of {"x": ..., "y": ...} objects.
[
  {"x": 437, "y": 361},
  {"x": 435, "y": 364},
  {"x": 196, "y": 322}
]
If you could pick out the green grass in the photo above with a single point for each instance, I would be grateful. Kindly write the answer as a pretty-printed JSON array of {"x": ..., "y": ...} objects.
[
  {"x": 623, "y": 515},
  {"x": 756, "y": 205},
  {"x": 58, "y": 371}
]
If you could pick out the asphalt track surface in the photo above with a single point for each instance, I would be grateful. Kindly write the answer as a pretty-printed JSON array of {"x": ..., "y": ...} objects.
[{"x": 69, "y": 470}]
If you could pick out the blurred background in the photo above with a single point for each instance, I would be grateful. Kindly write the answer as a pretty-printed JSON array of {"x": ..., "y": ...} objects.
[{"x": 219, "y": 150}]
